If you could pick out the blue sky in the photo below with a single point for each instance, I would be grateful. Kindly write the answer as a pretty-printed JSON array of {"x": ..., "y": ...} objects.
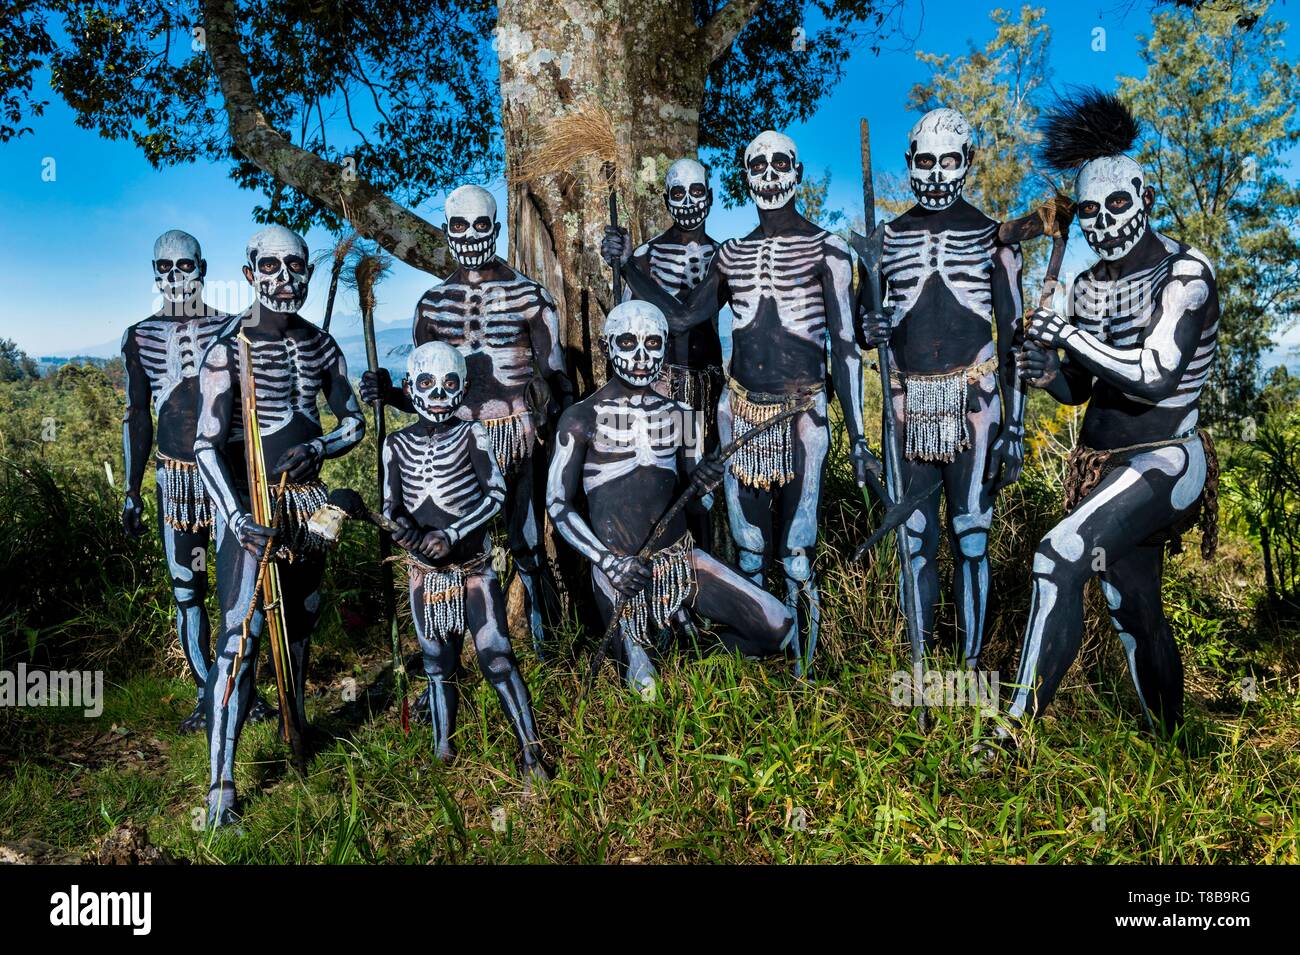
[{"x": 75, "y": 265}]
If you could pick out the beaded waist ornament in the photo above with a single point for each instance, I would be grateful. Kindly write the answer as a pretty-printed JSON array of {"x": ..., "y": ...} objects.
[
  {"x": 672, "y": 581},
  {"x": 509, "y": 436},
  {"x": 934, "y": 411},
  {"x": 696, "y": 387},
  {"x": 299, "y": 503},
  {"x": 768, "y": 460},
  {"x": 185, "y": 502},
  {"x": 444, "y": 593}
]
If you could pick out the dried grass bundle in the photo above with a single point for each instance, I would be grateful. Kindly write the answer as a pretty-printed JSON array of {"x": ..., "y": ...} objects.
[{"x": 587, "y": 132}]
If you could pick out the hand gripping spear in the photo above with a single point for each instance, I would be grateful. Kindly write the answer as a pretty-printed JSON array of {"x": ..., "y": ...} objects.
[{"x": 869, "y": 249}]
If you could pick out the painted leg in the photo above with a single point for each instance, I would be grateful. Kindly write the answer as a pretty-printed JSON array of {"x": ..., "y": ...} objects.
[
  {"x": 799, "y": 502},
  {"x": 749, "y": 511},
  {"x": 236, "y": 576},
  {"x": 485, "y": 615},
  {"x": 300, "y": 586},
  {"x": 970, "y": 516},
  {"x": 187, "y": 567},
  {"x": 638, "y": 669},
  {"x": 524, "y": 530},
  {"x": 441, "y": 660},
  {"x": 753, "y": 622},
  {"x": 1132, "y": 589}
]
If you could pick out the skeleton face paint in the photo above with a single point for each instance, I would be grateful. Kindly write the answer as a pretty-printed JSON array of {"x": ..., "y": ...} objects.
[
  {"x": 472, "y": 226},
  {"x": 178, "y": 265},
  {"x": 636, "y": 336},
  {"x": 1111, "y": 208},
  {"x": 277, "y": 259},
  {"x": 435, "y": 380},
  {"x": 938, "y": 157},
  {"x": 772, "y": 169},
  {"x": 687, "y": 193}
]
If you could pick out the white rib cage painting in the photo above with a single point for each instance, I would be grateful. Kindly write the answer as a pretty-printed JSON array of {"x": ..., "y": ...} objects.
[
  {"x": 491, "y": 318},
  {"x": 171, "y": 351},
  {"x": 676, "y": 267},
  {"x": 288, "y": 374},
  {"x": 439, "y": 470},
  {"x": 642, "y": 431},
  {"x": 1120, "y": 314},
  {"x": 963, "y": 260},
  {"x": 783, "y": 269}
]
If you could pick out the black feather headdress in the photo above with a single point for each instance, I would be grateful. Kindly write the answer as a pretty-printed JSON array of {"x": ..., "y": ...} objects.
[{"x": 1083, "y": 125}]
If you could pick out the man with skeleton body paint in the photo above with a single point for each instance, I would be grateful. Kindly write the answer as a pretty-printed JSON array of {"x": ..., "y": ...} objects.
[
  {"x": 1138, "y": 347},
  {"x": 789, "y": 285},
  {"x": 442, "y": 485},
  {"x": 957, "y": 402},
  {"x": 677, "y": 259},
  {"x": 162, "y": 355},
  {"x": 293, "y": 364},
  {"x": 506, "y": 326},
  {"x": 629, "y": 450}
]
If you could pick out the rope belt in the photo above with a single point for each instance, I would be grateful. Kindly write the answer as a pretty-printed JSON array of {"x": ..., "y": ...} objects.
[
  {"x": 934, "y": 413},
  {"x": 509, "y": 436},
  {"x": 768, "y": 460},
  {"x": 185, "y": 502},
  {"x": 672, "y": 581},
  {"x": 444, "y": 592},
  {"x": 1086, "y": 467}
]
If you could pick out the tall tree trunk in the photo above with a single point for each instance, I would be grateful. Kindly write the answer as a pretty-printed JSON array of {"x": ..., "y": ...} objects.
[{"x": 645, "y": 63}]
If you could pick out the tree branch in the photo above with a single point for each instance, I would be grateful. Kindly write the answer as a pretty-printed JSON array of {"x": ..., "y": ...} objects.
[
  {"x": 724, "y": 26},
  {"x": 406, "y": 235}
]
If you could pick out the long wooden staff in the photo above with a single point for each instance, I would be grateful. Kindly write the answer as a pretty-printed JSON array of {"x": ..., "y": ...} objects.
[
  {"x": 803, "y": 402},
  {"x": 259, "y": 494},
  {"x": 870, "y": 290},
  {"x": 367, "y": 273}
]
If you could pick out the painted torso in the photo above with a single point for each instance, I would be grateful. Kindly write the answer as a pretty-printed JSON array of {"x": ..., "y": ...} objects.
[
  {"x": 438, "y": 482},
  {"x": 678, "y": 267}
]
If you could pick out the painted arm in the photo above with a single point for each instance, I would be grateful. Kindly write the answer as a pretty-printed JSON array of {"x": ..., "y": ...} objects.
[
  {"x": 490, "y": 481},
  {"x": 700, "y": 306},
  {"x": 338, "y": 395},
  {"x": 545, "y": 332},
  {"x": 137, "y": 432},
  {"x": 1152, "y": 370},
  {"x": 564, "y": 484},
  {"x": 217, "y": 384},
  {"x": 1007, "y": 455},
  {"x": 846, "y": 360}
]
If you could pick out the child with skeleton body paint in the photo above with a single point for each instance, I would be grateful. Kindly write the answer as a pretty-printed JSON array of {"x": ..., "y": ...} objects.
[
  {"x": 677, "y": 259},
  {"x": 443, "y": 486},
  {"x": 506, "y": 326},
  {"x": 293, "y": 364},
  {"x": 629, "y": 451},
  {"x": 789, "y": 285},
  {"x": 957, "y": 402},
  {"x": 1138, "y": 346},
  {"x": 162, "y": 355}
]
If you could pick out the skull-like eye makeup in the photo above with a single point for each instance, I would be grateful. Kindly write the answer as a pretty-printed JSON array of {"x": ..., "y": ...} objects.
[
  {"x": 698, "y": 190},
  {"x": 166, "y": 265},
  {"x": 780, "y": 161},
  {"x": 677, "y": 193},
  {"x": 270, "y": 264},
  {"x": 457, "y": 225},
  {"x": 626, "y": 341},
  {"x": 483, "y": 225},
  {"x": 654, "y": 342},
  {"x": 924, "y": 161},
  {"x": 1118, "y": 201},
  {"x": 451, "y": 383},
  {"x": 1088, "y": 209},
  {"x": 950, "y": 160},
  {"x": 758, "y": 165},
  {"x": 424, "y": 382}
]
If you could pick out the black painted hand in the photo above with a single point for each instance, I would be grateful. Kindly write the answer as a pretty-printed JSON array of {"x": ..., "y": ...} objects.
[
  {"x": 407, "y": 536},
  {"x": 616, "y": 247},
  {"x": 301, "y": 462},
  {"x": 864, "y": 463},
  {"x": 707, "y": 475},
  {"x": 875, "y": 327},
  {"x": 629, "y": 575},
  {"x": 1037, "y": 366},
  {"x": 133, "y": 516},
  {"x": 435, "y": 545},
  {"x": 1006, "y": 460},
  {"x": 252, "y": 536},
  {"x": 376, "y": 385}
]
